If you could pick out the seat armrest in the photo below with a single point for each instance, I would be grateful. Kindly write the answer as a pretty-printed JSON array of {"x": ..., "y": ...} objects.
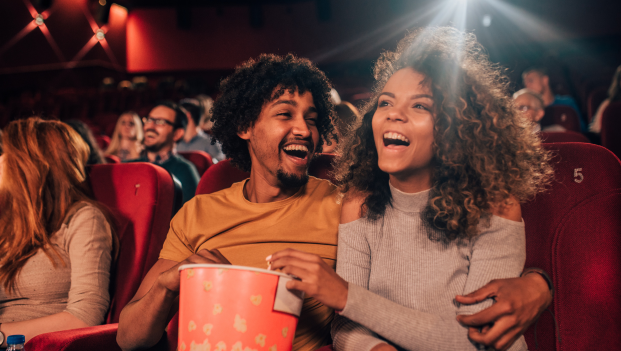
[{"x": 99, "y": 338}]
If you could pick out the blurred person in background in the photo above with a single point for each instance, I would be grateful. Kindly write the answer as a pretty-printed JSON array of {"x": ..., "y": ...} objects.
[
  {"x": 346, "y": 116},
  {"x": 56, "y": 242},
  {"x": 530, "y": 104},
  {"x": 614, "y": 95},
  {"x": 195, "y": 139},
  {"x": 95, "y": 156},
  {"x": 205, "y": 122},
  {"x": 163, "y": 127},
  {"x": 538, "y": 80},
  {"x": 127, "y": 137}
]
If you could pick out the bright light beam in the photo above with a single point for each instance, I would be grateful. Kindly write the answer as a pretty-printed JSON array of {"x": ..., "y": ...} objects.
[
  {"x": 31, "y": 9},
  {"x": 87, "y": 47},
  {"x": 529, "y": 24},
  {"x": 52, "y": 42},
  {"x": 380, "y": 35},
  {"x": 106, "y": 47},
  {"x": 22, "y": 33}
]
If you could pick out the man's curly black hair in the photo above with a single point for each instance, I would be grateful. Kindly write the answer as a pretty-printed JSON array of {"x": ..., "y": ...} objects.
[{"x": 253, "y": 84}]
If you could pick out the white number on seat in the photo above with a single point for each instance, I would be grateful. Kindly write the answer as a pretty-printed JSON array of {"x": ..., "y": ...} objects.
[{"x": 578, "y": 177}]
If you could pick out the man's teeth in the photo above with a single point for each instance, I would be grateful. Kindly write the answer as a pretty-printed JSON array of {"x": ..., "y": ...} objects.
[
  {"x": 396, "y": 136},
  {"x": 295, "y": 147}
]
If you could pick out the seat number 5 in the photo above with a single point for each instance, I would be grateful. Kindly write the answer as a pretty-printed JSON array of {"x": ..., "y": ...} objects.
[{"x": 578, "y": 177}]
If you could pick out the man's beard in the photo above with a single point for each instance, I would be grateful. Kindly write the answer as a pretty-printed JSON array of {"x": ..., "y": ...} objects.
[
  {"x": 291, "y": 180},
  {"x": 154, "y": 148}
]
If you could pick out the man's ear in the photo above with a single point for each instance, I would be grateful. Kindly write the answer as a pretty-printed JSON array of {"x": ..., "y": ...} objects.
[
  {"x": 545, "y": 80},
  {"x": 245, "y": 134},
  {"x": 178, "y": 134}
]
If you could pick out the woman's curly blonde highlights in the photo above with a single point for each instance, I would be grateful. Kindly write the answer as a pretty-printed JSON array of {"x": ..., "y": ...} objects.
[{"x": 484, "y": 150}]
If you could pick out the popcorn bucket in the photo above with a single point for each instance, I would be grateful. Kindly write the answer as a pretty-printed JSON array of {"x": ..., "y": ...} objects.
[{"x": 236, "y": 308}]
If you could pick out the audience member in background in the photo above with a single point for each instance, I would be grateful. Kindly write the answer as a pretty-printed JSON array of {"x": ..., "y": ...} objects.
[
  {"x": 530, "y": 104},
  {"x": 96, "y": 155},
  {"x": 346, "y": 116},
  {"x": 194, "y": 138},
  {"x": 127, "y": 137},
  {"x": 163, "y": 127},
  {"x": 205, "y": 122},
  {"x": 614, "y": 95},
  {"x": 537, "y": 80},
  {"x": 56, "y": 243},
  {"x": 271, "y": 128}
]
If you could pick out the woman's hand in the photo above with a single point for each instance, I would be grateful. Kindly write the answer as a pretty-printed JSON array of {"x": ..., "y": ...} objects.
[{"x": 318, "y": 280}]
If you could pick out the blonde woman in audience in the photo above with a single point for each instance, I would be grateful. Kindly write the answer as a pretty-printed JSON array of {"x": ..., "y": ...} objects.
[
  {"x": 56, "y": 243},
  {"x": 433, "y": 176},
  {"x": 614, "y": 95},
  {"x": 127, "y": 138}
]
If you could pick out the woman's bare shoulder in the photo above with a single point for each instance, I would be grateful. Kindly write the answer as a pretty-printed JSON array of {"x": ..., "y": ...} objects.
[
  {"x": 352, "y": 206},
  {"x": 509, "y": 209}
]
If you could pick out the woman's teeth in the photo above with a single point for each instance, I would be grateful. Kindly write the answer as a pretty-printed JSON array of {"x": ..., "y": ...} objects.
[{"x": 396, "y": 136}]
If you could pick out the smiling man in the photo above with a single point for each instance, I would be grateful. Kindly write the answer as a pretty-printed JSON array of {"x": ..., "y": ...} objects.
[
  {"x": 163, "y": 127},
  {"x": 271, "y": 118}
]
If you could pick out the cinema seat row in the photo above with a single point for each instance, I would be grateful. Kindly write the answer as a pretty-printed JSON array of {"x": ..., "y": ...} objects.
[{"x": 573, "y": 232}]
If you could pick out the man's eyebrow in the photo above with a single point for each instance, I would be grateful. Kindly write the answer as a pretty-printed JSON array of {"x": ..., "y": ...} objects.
[
  {"x": 415, "y": 96},
  {"x": 286, "y": 102}
]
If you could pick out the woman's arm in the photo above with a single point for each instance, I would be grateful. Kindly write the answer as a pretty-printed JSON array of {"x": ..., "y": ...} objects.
[
  {"x": 596, "y": 123},
  {"x": 31, "y": 328},
  {"x": 88, "y": 241}
]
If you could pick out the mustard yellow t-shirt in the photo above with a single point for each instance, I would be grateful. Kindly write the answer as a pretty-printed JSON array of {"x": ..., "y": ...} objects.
[{"x": 247, "y": 232}]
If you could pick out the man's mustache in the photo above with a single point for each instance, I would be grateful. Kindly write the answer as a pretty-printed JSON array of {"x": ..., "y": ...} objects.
[{"x": 152, "y": 130}]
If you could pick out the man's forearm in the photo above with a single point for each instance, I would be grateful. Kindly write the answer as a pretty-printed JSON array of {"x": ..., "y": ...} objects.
[{"x": 142, "y": 322}]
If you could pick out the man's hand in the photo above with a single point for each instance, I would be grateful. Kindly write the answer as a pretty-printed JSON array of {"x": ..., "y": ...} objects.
[
  {"x": 519, "y": 302},
  {"x": 383, "y": 347},
  {"x": 318, "y": 280},
  {"x": 170, "y": 278}
]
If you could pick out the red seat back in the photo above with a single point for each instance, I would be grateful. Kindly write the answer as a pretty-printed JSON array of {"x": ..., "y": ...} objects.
[
  {"x": 562, "y": 115},
  {"x": 223, "y": 174},
  {"x": 563, "y": 137},
  {"x": 200, "y": 159},
  {"x": 611, "y": 128},
  {"x": 140, "y": 197},
  {"x": 573, "y": 232}
]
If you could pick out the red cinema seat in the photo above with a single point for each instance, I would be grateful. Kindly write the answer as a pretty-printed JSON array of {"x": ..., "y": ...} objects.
[
  {"x": 140, "y": 198},
  {"x": 611, "y": 128},
  {"x": 103, "y": 141},
  {"x": 200, "y": 159},
  {"x": 573, "y": 232},
  {"x": 223, "y": 174},
  {"x": 563, "y": 137},
  {"x": 562, "y": 115}
]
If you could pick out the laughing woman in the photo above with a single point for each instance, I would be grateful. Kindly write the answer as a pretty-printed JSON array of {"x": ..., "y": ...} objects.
[{"x": 433, "y": 178}]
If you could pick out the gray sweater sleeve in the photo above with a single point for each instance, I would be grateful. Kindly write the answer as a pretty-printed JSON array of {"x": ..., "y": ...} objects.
[
  {"x": 498, "y": 252},
  {"x": 89, "y": 245},
  {"x": 354, "y": 265}
]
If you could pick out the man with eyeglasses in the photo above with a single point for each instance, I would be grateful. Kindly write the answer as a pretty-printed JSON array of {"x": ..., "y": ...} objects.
[
  {"x": 163, "y": 127},
  {"x": 531, "y": 105}
]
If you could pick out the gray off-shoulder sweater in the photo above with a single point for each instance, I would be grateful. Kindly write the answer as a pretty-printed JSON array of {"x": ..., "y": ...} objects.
[{"x": 402, "y": 284}]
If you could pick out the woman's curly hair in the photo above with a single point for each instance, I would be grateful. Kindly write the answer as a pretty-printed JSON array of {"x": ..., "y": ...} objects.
[
  {"x": 484, "y": 150},
  {"x": 253, "y": 84}
]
